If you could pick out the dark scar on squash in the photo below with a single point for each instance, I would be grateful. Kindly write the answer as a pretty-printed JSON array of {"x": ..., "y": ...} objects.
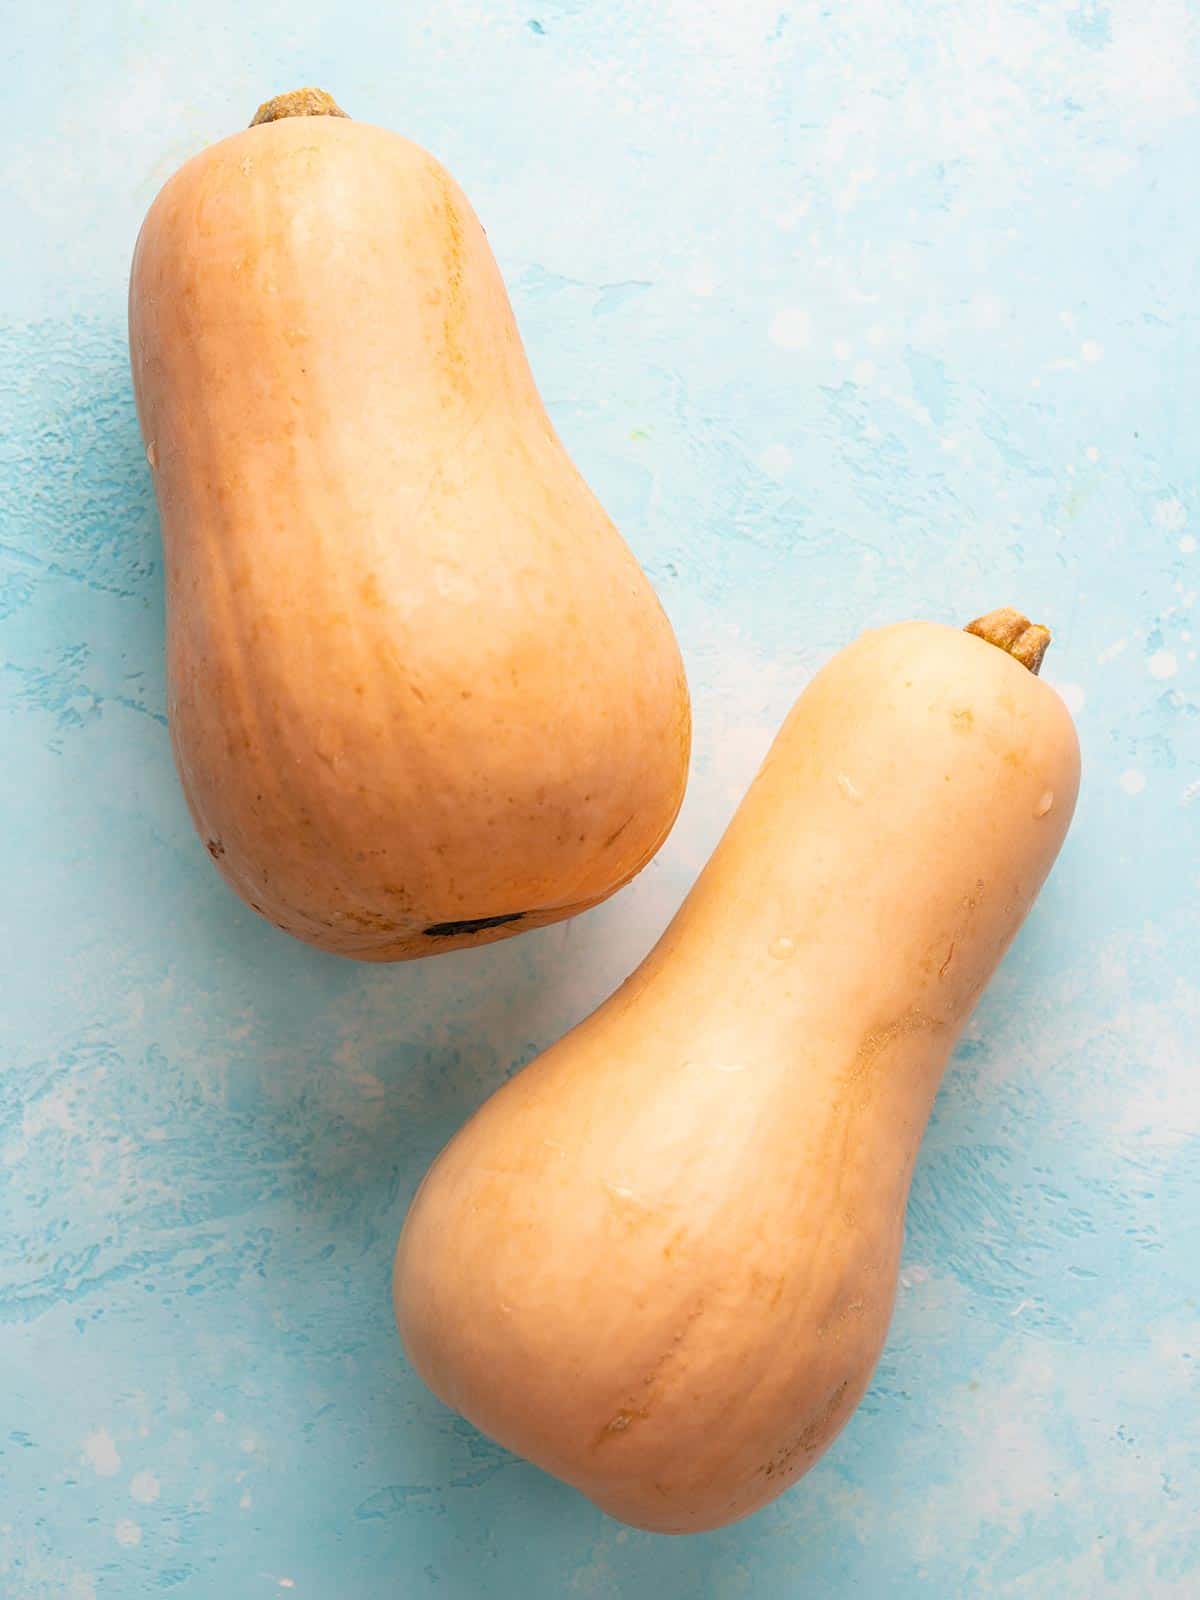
[{"x": 451, "y": 930}]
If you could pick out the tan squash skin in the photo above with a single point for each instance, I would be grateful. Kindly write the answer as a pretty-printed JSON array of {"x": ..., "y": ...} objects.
[
  {"x": 660, "y": 1261},
  {"x": 415, "y": 677}
]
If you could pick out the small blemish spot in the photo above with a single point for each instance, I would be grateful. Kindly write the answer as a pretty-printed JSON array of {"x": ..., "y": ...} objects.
[
  {"x": 848, "y": 787},
  {"x": 453, "y": 930},
  {"x": 781, "y": 948},
  {"x": 152, "y": 455},
  {"x": 703, "y": 1065},
  {"x": 1045, "y": 802}
]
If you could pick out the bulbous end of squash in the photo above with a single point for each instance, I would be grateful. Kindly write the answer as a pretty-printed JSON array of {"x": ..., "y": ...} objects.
[
  {"x": 298, "y": 103},
  {"x": 1009, "y": 630}
]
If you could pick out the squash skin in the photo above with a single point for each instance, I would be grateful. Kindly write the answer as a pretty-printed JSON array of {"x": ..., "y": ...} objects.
[
  {"x": 660, "y": 1262},
  {"x": 416, "y": 679}
]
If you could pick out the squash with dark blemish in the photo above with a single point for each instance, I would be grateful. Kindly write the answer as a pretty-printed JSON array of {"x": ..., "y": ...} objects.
[
  {"x": 755, "y": 1093},
  {"x": 415, "y": 676}
]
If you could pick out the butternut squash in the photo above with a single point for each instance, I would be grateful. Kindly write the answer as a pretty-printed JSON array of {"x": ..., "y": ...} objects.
[
  {"x": 660, "y": 1261},
  {"x": 420, "y": 693}
]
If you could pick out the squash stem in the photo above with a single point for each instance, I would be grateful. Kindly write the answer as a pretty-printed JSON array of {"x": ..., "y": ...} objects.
[
  {"x": 1009, "y": 630},
  {"x": 298, "y": 103}
]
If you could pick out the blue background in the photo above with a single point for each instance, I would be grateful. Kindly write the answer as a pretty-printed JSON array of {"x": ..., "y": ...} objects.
[{"x": 849, "y": 313}]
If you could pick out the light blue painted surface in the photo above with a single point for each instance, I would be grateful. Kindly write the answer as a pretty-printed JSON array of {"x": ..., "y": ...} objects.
[{"x": 850, "y": 313}]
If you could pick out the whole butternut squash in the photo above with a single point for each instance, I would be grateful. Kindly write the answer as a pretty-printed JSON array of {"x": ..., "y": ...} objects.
[
  {"x": 660, "y": 1261},
  {"x": 421, "y": 694}
]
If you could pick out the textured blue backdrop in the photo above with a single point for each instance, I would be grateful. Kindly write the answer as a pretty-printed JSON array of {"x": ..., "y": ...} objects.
[{"x": 850, "y": 313}]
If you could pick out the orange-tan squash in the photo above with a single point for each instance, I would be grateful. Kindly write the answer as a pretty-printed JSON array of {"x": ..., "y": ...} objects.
[
  {"x": 421, "y": 694},
  {"x": 660, "y": 1261}
]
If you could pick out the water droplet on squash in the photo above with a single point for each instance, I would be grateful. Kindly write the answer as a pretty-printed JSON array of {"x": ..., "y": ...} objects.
[
  {"x": 1044, "y": 804},
  {"x": 152, "y": 455},
  {"x": 783, "y": 947},
  {"x": 849, "y": 789}
]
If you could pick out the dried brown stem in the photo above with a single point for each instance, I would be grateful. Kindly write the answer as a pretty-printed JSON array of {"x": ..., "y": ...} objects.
[
  {"x": 298, "y": 103},
  {"x": 1009, "y": 630}
]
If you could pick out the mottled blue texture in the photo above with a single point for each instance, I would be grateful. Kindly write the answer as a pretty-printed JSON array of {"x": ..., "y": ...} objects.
[{"x": 849, "y": 312}]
